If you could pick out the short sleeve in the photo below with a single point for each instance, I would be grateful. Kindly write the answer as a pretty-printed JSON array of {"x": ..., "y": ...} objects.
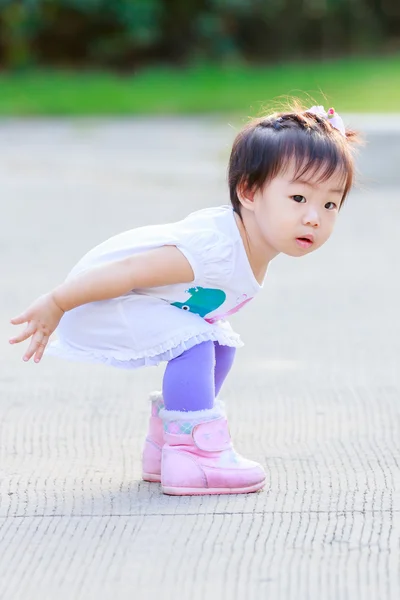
[{"x": 210, "y": 254}]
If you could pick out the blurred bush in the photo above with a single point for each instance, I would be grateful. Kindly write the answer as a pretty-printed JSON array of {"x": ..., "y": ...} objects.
[{"x": 130, "y": 33}]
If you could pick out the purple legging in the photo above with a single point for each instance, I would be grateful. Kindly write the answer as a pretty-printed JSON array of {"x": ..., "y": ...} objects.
[{"x": 194, "y": 379}]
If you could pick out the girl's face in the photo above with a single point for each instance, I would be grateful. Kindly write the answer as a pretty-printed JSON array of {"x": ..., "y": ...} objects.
[{"x": 297, "y": 216}]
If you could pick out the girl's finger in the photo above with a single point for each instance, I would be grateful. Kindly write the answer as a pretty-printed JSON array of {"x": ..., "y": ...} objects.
[
  {"x": 41, "y": 348},
  {"x": 30, "y": 330},
  {"x": 22, "y": 318},
  {"x": 33, "y": 346}
]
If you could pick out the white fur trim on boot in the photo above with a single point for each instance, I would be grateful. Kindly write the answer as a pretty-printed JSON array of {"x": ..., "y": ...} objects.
[{"x": 193, "y": 415}]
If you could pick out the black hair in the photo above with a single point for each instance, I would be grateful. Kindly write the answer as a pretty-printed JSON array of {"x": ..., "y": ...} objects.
[{"x": 265, "y": 146}]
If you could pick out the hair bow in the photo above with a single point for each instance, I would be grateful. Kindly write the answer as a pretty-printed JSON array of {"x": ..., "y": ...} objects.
[{"x": 331, "y": 115}]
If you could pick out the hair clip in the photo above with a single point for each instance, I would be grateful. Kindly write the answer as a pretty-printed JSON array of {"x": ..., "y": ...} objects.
[{"x": 331, "y": 115}]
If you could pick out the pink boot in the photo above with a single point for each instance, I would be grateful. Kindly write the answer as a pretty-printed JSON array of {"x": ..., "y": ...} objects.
[
  {"x": 198, "y": 457},
  {"x": 151, "y": 457}
]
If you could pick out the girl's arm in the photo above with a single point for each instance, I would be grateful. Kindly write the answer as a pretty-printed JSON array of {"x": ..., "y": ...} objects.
[{"x": 162, "y": 266}]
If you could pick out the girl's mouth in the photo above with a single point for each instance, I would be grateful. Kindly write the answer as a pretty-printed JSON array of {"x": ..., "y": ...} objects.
[{"x": 305, "y": 241}]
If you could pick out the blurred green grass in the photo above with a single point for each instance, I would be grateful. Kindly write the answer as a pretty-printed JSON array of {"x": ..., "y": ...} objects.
[{"x": 352, "y": 85}]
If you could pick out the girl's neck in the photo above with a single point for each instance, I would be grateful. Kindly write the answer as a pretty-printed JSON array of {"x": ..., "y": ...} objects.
[{"x": 259, "y": 253}]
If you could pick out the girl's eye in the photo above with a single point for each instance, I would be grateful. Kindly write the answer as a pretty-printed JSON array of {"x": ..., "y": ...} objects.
[
  {"x": 330, "y": 205},
  {"x": 298, "y": 198}
]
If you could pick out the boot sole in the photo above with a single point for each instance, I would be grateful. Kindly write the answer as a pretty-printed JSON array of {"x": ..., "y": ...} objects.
[
  {"x": 184, "y": 491},
  {"x": 151, "y": 477}
]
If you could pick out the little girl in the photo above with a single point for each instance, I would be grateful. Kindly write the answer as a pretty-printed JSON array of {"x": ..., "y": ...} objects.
[{"x": 163, "y": 292}]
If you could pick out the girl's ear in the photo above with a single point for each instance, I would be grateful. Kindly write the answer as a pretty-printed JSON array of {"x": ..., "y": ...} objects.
[{"x": 246, "y": 195}]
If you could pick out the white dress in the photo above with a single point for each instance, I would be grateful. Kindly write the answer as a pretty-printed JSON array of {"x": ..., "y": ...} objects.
[{"x": 148, "y": 326}]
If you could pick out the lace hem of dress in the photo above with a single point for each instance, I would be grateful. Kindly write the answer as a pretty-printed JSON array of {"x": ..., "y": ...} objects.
[{"x": 130, "y": 359}]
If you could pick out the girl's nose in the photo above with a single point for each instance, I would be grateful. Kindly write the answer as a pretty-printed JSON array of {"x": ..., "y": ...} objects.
[{"x": 311, "y": 218}]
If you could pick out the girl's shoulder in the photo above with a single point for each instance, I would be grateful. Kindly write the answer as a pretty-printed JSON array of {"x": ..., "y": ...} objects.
[
  {"x": 212, "y": 226},
  {"x": 220, "y": 218},
  {"x": 212, "y": 230},
  {"x": 207, "y": 238}
]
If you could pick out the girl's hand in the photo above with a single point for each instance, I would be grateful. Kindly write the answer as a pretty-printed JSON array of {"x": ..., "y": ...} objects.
[{"x": 42, "y": 317}]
